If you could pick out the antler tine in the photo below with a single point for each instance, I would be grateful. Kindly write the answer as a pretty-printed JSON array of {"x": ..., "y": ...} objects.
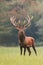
[
  {"x": 31, "y": 17},
  {"x": 28, "y": 21},
  {"x": 12, "y": 19}
]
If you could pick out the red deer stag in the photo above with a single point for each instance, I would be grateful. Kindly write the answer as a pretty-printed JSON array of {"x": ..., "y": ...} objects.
[{"x": 24, "y": 41}]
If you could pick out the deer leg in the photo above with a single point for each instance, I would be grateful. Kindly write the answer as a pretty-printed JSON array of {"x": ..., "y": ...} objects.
[
  {"x": 34, "y": 49},
  {"x": 20, "y": 49},
  {"x": 24, "y": 50},
  {"x": 28, "y": 48}
]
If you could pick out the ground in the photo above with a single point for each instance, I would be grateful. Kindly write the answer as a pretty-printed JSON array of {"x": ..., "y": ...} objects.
[{"x": 11, "y": 56}]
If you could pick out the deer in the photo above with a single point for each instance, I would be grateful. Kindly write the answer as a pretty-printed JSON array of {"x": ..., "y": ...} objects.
[{"x": 24, "y": 41}]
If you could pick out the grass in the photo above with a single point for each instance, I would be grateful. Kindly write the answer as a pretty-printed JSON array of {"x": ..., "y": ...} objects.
[{"x": 11, "y": 56}]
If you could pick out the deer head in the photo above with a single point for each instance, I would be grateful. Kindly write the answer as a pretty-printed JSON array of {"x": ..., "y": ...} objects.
[{"x": 21, "y": 33}]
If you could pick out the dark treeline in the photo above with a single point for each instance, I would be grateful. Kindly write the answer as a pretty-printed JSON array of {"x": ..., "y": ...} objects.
[{"x": 19, "y": 8}]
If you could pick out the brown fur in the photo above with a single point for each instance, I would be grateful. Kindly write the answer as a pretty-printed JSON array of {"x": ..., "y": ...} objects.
[{"x": 26, "y": 42}]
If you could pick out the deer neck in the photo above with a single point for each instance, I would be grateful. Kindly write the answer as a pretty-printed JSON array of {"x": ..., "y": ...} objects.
[{"x": 21, "y": 36}]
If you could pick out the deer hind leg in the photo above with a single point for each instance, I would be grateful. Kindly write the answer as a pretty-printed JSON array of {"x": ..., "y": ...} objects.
[
  {"x": 28, "y": 48},
  {"x": 34, "y": 49}
]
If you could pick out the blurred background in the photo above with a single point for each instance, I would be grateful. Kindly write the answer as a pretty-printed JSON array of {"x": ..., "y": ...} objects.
[{"x": 20, "y": 8}]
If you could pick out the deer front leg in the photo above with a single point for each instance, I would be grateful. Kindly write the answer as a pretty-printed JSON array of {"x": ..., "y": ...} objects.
[
  {"x": 20, "y": 49},
  {"x": 24, "y": 50}
]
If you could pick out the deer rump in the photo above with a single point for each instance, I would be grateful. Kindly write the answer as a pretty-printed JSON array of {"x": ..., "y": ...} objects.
[{"x": 29, "y": 41}]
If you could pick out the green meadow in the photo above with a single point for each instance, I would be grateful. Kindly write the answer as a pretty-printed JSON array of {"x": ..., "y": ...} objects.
[{"x": 11, "y": 56}]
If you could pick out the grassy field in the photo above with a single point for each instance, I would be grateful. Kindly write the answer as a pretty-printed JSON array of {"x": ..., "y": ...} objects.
[{"x": 11, "y": 56}]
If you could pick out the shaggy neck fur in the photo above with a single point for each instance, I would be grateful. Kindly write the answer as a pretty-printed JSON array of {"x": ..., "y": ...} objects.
[{"x": 21, "y": 36}]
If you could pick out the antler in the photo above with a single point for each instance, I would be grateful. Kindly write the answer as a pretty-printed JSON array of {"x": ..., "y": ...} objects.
[
  {"x": 12, "y": 19},
  {"x": 16, "y": 24},
  {"x": 28, "y": 22}
]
